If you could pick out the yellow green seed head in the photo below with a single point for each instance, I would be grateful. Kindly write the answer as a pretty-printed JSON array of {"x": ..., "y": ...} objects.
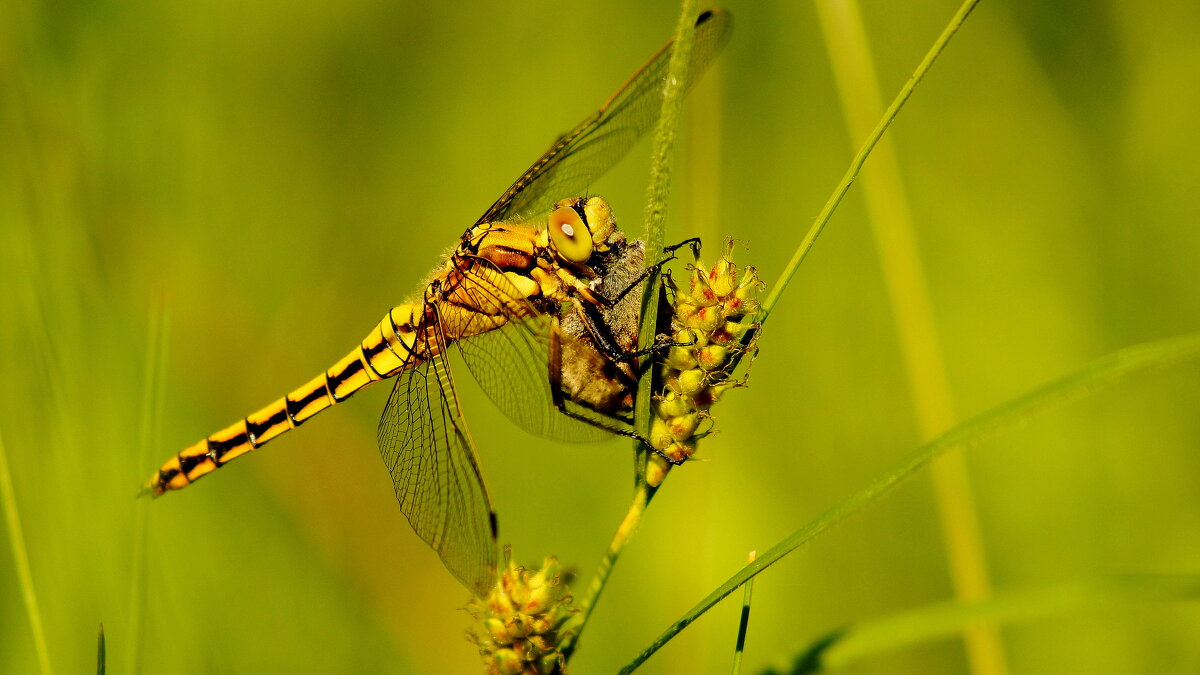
[
  {"x": 681, "y": 358},
  {"x": 690, "y": 382},
  {"x": 673, "y": 404},
  {"x": 523, "y": 620},
  {"x": 657, "y": 469},
  {"x": 660, "y": 432},
  {"x": 710, "y": 321},
  {"x": 712, "y": 357},
  {"x": 683, "y": 427},
  {"x": 679, "y": 451}
]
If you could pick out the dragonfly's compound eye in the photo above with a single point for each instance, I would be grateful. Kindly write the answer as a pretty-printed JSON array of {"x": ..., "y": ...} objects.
[{"x": 570, "y": 234}]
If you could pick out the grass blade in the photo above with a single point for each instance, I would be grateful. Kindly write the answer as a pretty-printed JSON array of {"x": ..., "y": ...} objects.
[
  {"x": 1105, "y": 371},
  {"x": 100, "y": 656},
  {"x": 656, "y": 210},
  {"x": 744, "y": 622},
  {"x": 153, "y": 388},
  {"x": 944, "y": 620},
  {"x": 656, "y": 199},
  {"x": 16, "y": 539}
]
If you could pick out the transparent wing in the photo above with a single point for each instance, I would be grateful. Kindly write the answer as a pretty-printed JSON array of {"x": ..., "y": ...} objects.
[
  {"x": 517, "y": 364},
  {"x": 587, "y": 151},
  {"x": 435, "y": 470},
  {"x": 512, "y": 365}
]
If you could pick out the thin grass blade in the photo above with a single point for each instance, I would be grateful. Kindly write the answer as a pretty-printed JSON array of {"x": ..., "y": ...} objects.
[
  {"x": 100, "y": 655},
  {"x": 743, "y": 622},
  {"x": 945, "y": 620},
  {"x": 1103, "y": 372},
  {"x": 16, "y": 538}
]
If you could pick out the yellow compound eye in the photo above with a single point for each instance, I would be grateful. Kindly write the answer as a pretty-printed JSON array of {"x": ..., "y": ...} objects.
[{"x": 570, "y": 235}]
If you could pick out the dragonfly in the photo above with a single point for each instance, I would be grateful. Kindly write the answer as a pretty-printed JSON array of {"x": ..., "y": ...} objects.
[{"x": 536, "y": 297}]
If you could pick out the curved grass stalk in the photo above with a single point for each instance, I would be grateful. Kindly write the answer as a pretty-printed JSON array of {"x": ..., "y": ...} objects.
[
  {"x": 629, "y": 525},
  {"x": 947, "y": 619},
  {"x": 150, "y": 414},
  {"x": 1106, "y": 371},
  {"x": 744, "y": 621},
  {"x": 16, "y": 540},
  {"x": 890, "y": 218}
]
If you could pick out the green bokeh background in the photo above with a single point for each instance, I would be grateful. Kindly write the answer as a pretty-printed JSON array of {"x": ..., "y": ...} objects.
[{"x": 272, "y": 177}]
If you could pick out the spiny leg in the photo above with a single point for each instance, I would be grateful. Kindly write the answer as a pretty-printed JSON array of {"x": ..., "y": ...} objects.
[{"x": 694, "y": 243}]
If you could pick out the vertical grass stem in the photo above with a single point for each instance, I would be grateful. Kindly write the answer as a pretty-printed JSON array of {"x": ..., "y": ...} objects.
[
  {"x": 744, "y": 621},
  {"x": 153, "y": 386},
  {"x": 16, "y": 538},
  {"x": 896, "y": 244},
  {"x": 656, "y": 210}
]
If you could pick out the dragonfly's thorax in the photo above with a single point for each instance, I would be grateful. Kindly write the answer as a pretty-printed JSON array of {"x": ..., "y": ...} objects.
[{"x": 511, "y": 248}]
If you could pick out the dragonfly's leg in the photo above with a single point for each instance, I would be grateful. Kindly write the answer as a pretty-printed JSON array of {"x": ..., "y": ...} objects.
[
  {"x": 606, "y": 342},
  {"x": 694, "y": 243},
  {"x": 627, "y": 433},
  {"x": 619, "y": 431},
  {"x": 600, "y": 332}
]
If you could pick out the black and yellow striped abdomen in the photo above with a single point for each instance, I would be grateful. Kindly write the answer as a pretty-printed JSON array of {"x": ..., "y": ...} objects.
[
  {"x": 390, "y": 348},
  {"x": 469, "y": 295}
]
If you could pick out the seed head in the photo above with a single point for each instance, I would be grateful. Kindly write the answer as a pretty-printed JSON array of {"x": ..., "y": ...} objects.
[
  {"x": 521, "y": 622},
  {"x": 709, "y": 324}
]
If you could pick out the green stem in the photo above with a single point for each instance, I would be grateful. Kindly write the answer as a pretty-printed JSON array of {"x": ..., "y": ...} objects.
[
  {"x": 629, "y": 524},
  {"x": 656, "y": 198},
  {"x": 744, "y": 622},
  {"x": 16, "y": 539},
  {"x": 656, "y": 210}
]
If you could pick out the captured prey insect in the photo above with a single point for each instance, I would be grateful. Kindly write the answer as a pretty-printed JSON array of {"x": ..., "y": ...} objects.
[{"x": 541, "y": 311}]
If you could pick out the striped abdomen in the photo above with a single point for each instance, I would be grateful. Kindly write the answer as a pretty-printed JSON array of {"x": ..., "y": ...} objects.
[{"x": 385, "y": 352}]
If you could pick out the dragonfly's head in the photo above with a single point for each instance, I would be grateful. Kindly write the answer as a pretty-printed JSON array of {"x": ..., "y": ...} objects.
[{"x": 580, "y": 226}]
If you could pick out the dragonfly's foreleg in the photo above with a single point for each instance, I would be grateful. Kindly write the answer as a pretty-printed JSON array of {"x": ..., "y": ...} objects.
[{"x": 693, "y": 243}]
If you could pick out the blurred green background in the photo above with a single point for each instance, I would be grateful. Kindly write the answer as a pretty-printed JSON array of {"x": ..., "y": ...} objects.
[{"x": 267, "y": 179}]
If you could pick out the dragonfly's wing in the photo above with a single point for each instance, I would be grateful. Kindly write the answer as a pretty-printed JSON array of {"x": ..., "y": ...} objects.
[
  {"x": 588, "y": 150},
  {"x": 521, "y": 387},
  {"x": 514, "y": 364},
  {"x": 435, "y": 470}
]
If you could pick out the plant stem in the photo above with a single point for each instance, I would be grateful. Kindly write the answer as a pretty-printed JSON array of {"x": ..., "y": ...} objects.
[
  {"x": 744, "y": 622},
  {"x": 16, "y": 539},
  {"x": 642, "y": 495},
  {"x": 656, "y": 210},
  {"x": 656, "y": 201}
]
